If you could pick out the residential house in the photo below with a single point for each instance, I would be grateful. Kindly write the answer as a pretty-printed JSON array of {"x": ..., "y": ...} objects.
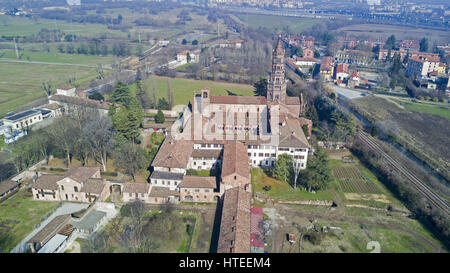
[
  {"x": 327, "y": 68},
  {"x": 79, "y": 184},
  {"x": 135, "y": 191},
  {"x": 198, "y": 189},
  {"x": 341, "y": 72},
  {"x": 23, "y": 120},
  {"x": 421, "y": 66},
  {"x": 354, "y": 80},
  {"x": 188, "y": 56}
]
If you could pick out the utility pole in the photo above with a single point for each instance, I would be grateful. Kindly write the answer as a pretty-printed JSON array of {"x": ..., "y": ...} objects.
[
  {"x": 218, "y": 30},
  {"x": 71, "y": 30},
  {"x": 56, "y": 32},
  {"x": 17, "y": 50}
]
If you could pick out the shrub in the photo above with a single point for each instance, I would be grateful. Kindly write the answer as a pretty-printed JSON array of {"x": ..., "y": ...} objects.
[
  {"x": 267, "y": 188},
  {"x": 125, "y": 210},
  {"x": 159, "y": 118}
]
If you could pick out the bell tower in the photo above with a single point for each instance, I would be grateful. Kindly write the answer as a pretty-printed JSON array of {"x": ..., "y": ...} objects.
[{"x": 276, "y": 83}]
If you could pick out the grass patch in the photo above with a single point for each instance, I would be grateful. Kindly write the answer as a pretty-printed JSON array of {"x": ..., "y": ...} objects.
[
  {"x": 183, "y": 89},
  {"x": 21, "y": 83},
  {"x": 428, "y": 109},
  {"x": 282, "y": 190},
  {"x": 279, "y": 23},
  {"x": 18, "y": 216}
]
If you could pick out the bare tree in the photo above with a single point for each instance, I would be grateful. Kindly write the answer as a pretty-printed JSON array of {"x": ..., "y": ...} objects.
[
  {"x": 170, "y": 94},
  {"x": 154, "y": 94},
  {"x": 130, "y": 158},
  {"x": 64, "y": 134},
  {"x": 99, "y": 135},
  {"x": 296, "y": 168},
  {"x": 47, "y": 87}
]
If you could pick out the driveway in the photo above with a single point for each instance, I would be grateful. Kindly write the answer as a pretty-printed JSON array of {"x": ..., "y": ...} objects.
[{"x": 66, "y": 208}]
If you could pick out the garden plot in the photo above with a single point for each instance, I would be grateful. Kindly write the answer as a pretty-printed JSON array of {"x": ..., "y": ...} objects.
[{"x": 351, "y": 180}]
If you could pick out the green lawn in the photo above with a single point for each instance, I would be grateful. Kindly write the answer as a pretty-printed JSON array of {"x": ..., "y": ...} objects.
[
  {"x": 21, "y": 83},
  {"x": 428, "y": 109},
  {"x": 54, "y": 57},
  {"x": 18, "y": 216},
  {"x": 281, "y": 190},
  {"x": 273, "y": 22},
  {"x": 184, "y": 89}
]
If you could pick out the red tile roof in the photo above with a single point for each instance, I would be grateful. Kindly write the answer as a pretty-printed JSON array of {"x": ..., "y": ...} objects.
[
  {"x": 238, "y": 100},
  {"x": 173, "y": 153},
  {"x": 235, "y": 227},
  {"x": 235, "y": 160},
  {"x": 191, "y": 181},
  {"x": 82, "y": 174},
  {"x": 47, "y": 182},
  {"x": 136, "y": 187}
]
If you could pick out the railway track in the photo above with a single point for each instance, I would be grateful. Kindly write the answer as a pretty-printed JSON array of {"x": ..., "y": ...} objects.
[{"x": 423, "y": 189}]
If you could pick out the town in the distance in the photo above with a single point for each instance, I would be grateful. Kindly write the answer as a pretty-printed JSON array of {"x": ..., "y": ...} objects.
[{"x": 224, "y": 126}]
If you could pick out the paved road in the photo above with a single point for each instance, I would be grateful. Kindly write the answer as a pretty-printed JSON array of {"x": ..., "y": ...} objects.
[
  {"x": 66, "y": 208},
  {"x": 50, "y": 63},
  {"x": 347, "y": 93}
]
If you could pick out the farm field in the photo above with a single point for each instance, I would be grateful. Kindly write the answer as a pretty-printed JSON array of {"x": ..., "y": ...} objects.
[
  {"x": 20, "y": 26},
  {"x": 421, "y": 126},
  {"x": 351, "y": 180},
  {"x": 272, "y": 22},
  {"x": 18, "y": 216},
  {"x": 183, "y": 89},
  {"x": 54, "y": 57},
  {"x": 400, "y": 32},
  {"x": 21, "y": 83}
]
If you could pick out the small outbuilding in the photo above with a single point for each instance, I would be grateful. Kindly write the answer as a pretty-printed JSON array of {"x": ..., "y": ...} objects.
[{"x": 90, "y": 222}]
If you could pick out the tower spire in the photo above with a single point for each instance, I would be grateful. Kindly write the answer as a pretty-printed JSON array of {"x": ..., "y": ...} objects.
[{"x": 276, "y": 83}]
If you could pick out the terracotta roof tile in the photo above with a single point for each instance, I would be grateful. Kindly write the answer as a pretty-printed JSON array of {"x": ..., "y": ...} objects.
[
  {"x": 136, "y": 187},
  {"x": 81, "y": 174},
  {"x": 162, "y": 192},
  {"x": 235, "y": 159},
  {"x": 47, "y": 182},
  {"x": 173, "y": 153},
  {"x": 235, "y": 223},
  {"x": 191, "y": 181},
  {"x": 206, "y": 153},
  {"x": 238, "y": 100},
  {"x": 7, "y": 185},
  {"x": 94, "y": 186}
]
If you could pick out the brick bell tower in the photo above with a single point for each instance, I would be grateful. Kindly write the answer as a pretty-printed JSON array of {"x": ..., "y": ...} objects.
[{"x": 276, "y": 83}]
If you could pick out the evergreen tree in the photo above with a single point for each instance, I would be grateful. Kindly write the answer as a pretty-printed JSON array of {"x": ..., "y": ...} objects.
[
  {"x": 318, "y": 174},
  {"x": 121, "y": 94},
  {"x": 311, "y": 114},
  {"x": 390, "y": 42},
  {"x": 424, "y": 45},
  {"x": 159, "y": 118},
  {"x": 260, "y": 87},
  {"x": 283, "y": 168}
]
